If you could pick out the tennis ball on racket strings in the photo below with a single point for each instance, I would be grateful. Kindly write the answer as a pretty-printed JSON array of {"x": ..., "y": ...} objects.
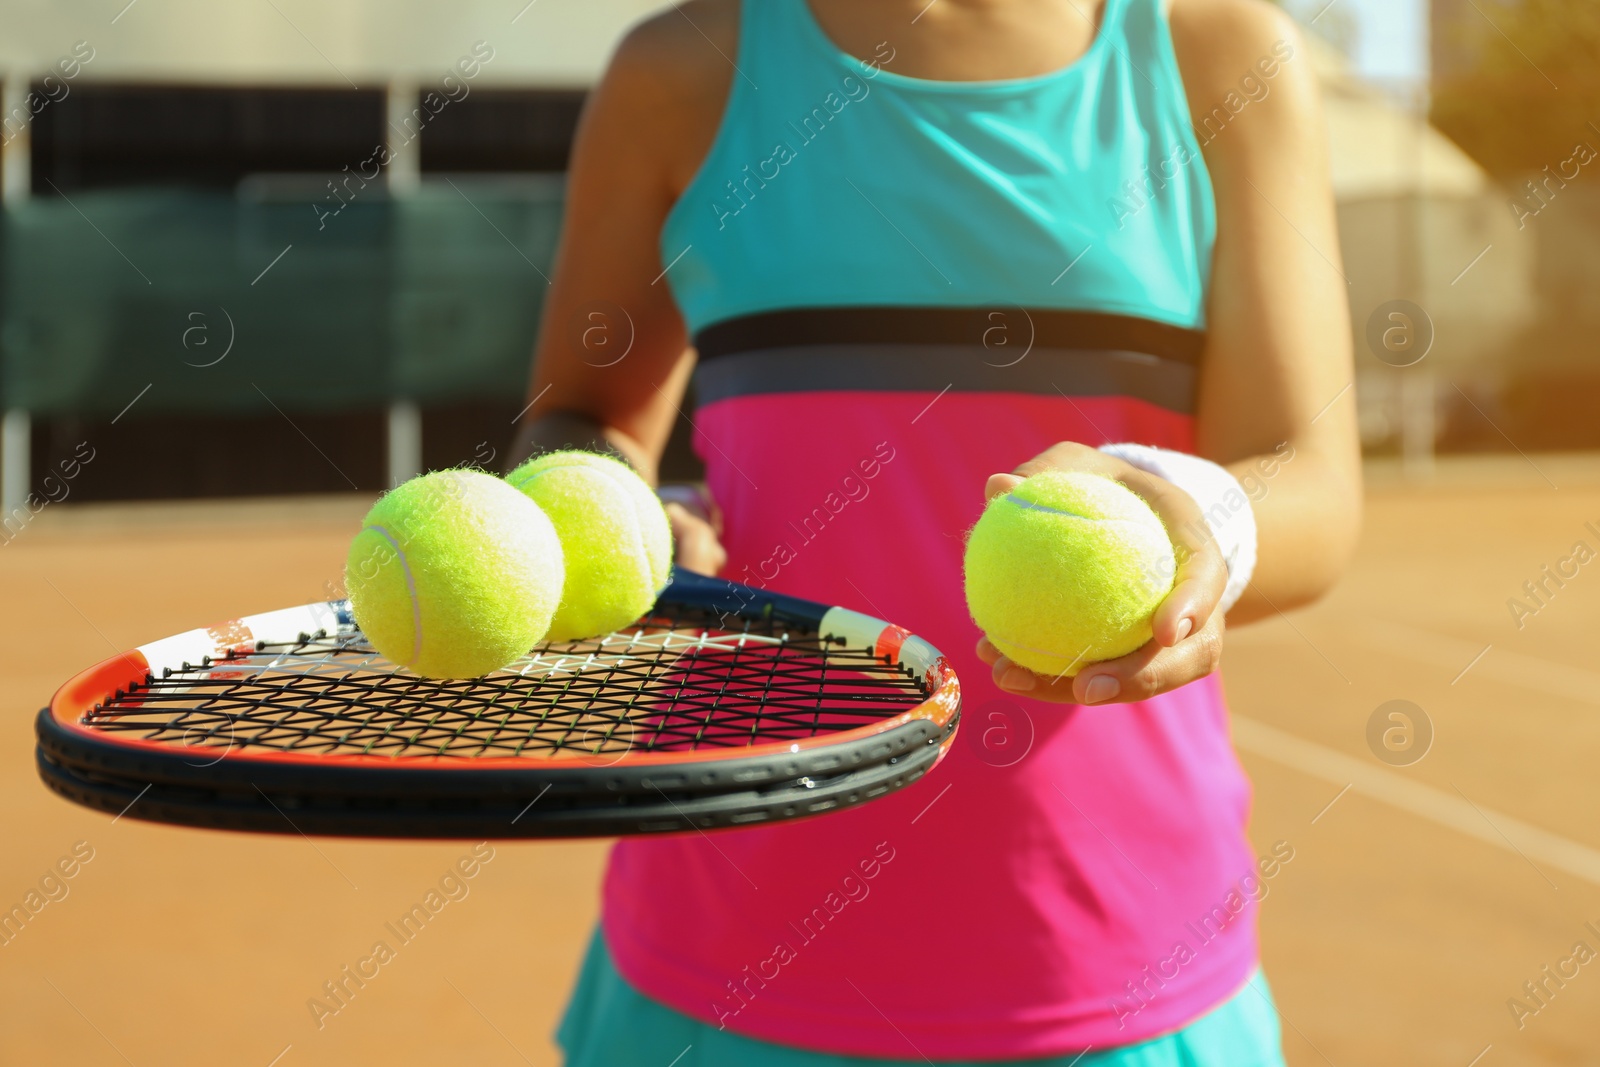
[
  {"x": 454, "y": 574},
  {"x": 615, "y": 538},
  {"x": 1067, "y": 569}
]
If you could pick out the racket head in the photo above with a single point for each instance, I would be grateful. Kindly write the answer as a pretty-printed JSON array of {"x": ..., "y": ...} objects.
[{"x": 721, "y": 691}]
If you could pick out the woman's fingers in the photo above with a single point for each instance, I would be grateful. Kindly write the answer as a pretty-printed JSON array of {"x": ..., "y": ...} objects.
[
  {"x": 1000, "y": 483},
  {"x": 698, "y": 548},
  {"x": 1193, "y": 601},
  {"x": 1140, "y": 675},
  {"x": 1069, "y": 456},
  {"x": 1152, "y": 669},
  {"x": 1020, "y": 681},
  {"x": 1201, "y": 573}
]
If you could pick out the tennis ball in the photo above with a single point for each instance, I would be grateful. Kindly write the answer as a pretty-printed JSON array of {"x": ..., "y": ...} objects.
[
  {"x": 1067, "y": 569},
  {"x": 614, "y": 536},
  {"x": 454, "y": 574}
]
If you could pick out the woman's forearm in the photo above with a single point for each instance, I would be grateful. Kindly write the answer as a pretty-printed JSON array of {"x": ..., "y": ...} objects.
[
  {"x": 556, "y": 430},
  {"x": 1308, "y": 514}
]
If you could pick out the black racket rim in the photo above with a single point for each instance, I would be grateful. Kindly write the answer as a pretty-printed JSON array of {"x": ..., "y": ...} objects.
[{"x": 286, "y": 811}]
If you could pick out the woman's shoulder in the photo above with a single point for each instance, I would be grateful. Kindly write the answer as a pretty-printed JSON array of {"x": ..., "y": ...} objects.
[
  {"x": 686, "y": 41},
  {"x": 669, "y": 78},
  {"x": 1225, "y": 27},
  {"x": 1218, "y": 41},
  {"x": 1232, "y": 50}
]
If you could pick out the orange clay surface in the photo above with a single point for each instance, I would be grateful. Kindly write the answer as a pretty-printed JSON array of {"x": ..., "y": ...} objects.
[{"x": 1418, "y": 902}]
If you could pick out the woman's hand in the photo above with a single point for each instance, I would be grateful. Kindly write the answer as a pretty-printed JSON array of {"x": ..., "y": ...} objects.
[
  {"x": 1188, "y": 628},
  {"x": 696, "y": 528}
]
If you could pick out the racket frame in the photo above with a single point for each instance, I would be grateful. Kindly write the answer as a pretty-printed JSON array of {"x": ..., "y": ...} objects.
[
  {"x": 84, "y": 754},
  {"x": 267, "y": 810}
]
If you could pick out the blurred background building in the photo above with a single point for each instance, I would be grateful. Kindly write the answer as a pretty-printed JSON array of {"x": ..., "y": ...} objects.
[{"x": 296, "y": 247}]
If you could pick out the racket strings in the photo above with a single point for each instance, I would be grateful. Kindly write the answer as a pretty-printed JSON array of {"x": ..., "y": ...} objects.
[{"x": 673, "y": 684}]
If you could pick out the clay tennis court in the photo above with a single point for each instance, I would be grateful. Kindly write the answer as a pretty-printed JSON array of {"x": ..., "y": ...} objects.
[{"x": 1419, "y": 898}]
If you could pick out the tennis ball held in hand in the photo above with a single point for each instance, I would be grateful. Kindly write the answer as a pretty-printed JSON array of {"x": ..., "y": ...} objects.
[
  {"x": 615, "y": 538},
  {"x": 454, "y": 574},
  {"x": 1067, "y": 569}
]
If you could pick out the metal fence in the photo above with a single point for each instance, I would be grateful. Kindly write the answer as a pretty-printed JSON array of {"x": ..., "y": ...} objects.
[{"x": 281, "y": 295}]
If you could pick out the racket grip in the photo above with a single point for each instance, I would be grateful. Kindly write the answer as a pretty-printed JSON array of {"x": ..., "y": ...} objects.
[{"x": 725, "y": 598}]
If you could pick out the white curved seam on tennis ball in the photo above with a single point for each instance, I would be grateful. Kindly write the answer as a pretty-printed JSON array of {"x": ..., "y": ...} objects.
[
  {"x": 1034, "y": 506},
  {"x": 1137, "y": 524},
  {"x": 528, "y": 478},
  {"x": 627, "y": 494},
  {"x": 565, "y": 465},
  {"x": 411, "y": 590}
]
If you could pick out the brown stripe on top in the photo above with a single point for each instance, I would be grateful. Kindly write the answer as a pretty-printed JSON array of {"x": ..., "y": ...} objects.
[{"x": 1012, "y": 326}]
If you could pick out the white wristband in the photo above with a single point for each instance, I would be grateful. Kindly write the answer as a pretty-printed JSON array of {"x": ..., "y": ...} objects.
[{"x": 1220, "y": 498}]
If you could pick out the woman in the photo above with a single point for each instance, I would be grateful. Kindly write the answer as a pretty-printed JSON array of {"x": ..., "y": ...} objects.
[{"x": 914, "y": 244}]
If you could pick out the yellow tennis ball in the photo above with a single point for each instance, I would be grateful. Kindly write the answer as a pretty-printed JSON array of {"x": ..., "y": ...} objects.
[
  {"x": 614, "y": 536},
  {"x": 454, "y": 574},
  {"x": 1066, "y": 570}
]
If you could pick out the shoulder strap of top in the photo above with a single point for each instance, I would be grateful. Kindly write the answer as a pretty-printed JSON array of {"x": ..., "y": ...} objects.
[
  {"x": 1145, "y": 37},
  {"x": 1113, "y": 24},
  {"x": 780, "y": 43},
  {"x": 1144, "y": 27}
]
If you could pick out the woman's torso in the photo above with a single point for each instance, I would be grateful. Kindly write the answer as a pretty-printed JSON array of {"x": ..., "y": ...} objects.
[{"x": 898, "y": 287}]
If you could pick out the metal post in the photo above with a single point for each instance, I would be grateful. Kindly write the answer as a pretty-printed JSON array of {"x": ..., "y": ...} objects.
[
  {"x": 16, "y": 183},
  {"x": 16, "y": 140},
  {"x": 405, "y": 441},
  {"x": 403, "y": 119},
  {"x": 1418, "y": 421},
  {"x": 16, "y": 440}
]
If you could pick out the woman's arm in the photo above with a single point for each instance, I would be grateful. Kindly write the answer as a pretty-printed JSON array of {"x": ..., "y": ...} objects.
[
  {"x": 1275, "y": 404},
  {"x": 643, "y": 132}
]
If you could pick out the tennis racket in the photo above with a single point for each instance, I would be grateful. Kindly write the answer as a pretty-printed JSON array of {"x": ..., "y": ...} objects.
[{"x": 724, "y": 706}]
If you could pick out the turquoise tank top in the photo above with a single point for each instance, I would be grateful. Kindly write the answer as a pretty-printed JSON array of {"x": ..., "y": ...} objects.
[{"x": 835, "y": 182}]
